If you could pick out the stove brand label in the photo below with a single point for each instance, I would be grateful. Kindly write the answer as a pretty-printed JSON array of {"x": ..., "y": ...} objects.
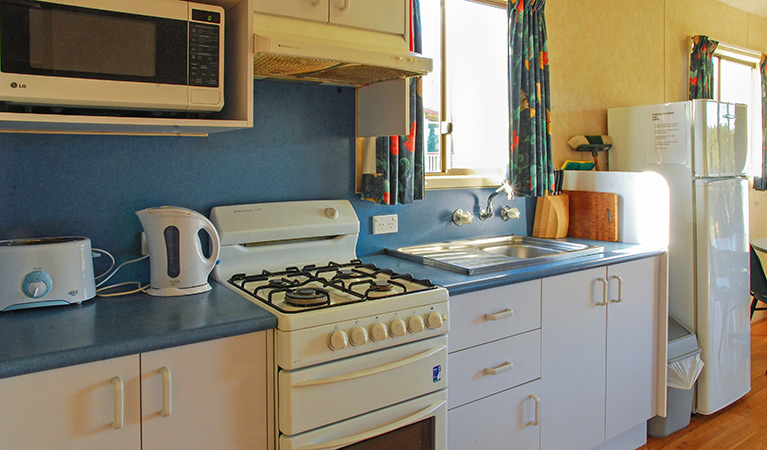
[{"x": 436, "y": 373}]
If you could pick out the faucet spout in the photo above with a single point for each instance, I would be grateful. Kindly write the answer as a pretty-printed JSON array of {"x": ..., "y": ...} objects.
[{"x": 505, "y": 188}]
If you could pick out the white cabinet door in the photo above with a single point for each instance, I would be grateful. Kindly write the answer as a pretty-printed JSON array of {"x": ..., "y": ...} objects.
[
  {"x": 388, "y": 16},
  {"x": 316, "y": 10},
  {"x": 206, "y": 395},
  {"x": 506, "y": 420},
  {"x": 77, "y": 407},
  {"x": 631, "y": 313},
  {"x": 573, "y": 339}
]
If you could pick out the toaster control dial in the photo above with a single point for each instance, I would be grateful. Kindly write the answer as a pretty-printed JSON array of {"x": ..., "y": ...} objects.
[{"x": 36, "y": 284}]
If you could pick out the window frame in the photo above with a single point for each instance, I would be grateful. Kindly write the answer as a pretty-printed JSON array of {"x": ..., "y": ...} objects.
[
  {"x": 452, "y": 178},
  {"x": 750, "y": 58}
]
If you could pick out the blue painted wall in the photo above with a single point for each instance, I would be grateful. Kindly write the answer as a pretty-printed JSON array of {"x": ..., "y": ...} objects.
[{"x": 300, "y": 148}]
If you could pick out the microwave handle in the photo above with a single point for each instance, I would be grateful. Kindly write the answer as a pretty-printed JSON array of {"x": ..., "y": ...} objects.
[
  {"x": 372, "y": 371},
  {"x": 418, "y": 416}
]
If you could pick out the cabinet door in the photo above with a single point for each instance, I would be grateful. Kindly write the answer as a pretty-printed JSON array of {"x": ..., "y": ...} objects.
[
  {"x": 573, "y": 343},
  {"x": 206, "y": 395},
  {"x": 388, "y": 16},
  {"x": 631, "y": 341},
  {"x": 502, "y": 421},
  {"x": 75, "y": 407},
  {"x": 316, "y": 10}
]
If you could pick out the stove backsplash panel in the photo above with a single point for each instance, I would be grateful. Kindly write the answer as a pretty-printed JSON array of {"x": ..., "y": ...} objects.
[{"x": 300, "y": 148}]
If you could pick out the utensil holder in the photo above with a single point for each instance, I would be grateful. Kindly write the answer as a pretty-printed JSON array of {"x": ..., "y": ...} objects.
[{"x": 552, "y": 216}]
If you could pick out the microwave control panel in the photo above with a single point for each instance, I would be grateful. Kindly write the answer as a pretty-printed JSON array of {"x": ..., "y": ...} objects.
[{"x": 204, "y": 48}]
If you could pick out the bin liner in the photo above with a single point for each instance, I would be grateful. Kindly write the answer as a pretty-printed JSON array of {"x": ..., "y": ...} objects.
[{"x": 683, "y": 371}]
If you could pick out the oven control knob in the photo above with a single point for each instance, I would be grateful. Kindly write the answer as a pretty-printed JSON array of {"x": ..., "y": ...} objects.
[
  {"x": 331, "y": 213},
  {"x": 359, "y": 336},
  {"x": 338, "y": 340},
  {"x": 415, "y": 324},
  {"x": 379, "y": 332},
  {"x": 397, "y": 328},
  {"x": 434, "y": 320}
]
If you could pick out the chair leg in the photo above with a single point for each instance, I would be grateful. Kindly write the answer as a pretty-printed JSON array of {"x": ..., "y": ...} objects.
[{"x": 753, "y": 306}]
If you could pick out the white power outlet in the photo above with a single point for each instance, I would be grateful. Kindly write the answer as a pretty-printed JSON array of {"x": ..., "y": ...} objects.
[{"x": 385, "y": 224}]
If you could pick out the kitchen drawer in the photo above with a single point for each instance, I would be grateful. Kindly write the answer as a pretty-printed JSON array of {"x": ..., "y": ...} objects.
[
  {"x": 490, "y": 314},
  {"x": 486, "y": 369},
  {"x": 513, "y": 424}
]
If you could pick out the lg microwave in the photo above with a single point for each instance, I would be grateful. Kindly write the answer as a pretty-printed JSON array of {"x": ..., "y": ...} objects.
[{"x": 161, "y": 55}]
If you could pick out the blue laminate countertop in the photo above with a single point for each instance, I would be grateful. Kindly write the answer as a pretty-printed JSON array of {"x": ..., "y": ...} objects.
[
  {"x": 33, "y": 340},
  {"x": 456, "y": 283}
]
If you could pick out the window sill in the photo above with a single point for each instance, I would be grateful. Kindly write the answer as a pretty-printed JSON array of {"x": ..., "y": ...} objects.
[{"x": 441, "y": 181}]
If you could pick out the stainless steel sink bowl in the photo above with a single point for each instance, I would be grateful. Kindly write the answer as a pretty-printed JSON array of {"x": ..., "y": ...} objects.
[{"x": 484, "y": 255}]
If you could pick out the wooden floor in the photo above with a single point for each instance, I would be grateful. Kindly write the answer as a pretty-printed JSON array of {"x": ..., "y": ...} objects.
[{"x": 742, "y": 425}]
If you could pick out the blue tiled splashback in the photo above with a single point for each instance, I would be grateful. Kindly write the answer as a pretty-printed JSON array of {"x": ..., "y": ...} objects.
[{"x": 300, "y": 148}]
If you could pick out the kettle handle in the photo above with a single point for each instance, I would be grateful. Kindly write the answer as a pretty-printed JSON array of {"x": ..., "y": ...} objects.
[{"x": 215, "y": 243}]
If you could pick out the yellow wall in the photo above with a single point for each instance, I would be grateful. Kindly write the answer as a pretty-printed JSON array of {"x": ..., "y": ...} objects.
[{"x": 623, "y": 53}]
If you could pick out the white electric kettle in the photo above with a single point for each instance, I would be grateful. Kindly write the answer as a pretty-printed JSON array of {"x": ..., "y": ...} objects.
[{"x": 177, "y": 263}]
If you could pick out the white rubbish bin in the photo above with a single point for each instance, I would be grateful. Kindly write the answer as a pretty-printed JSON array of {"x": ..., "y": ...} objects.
[{"x": 684, "y": 366}]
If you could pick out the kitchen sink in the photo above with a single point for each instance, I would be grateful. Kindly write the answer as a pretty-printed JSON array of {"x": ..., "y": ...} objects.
[{"x": 484, "y": 255}]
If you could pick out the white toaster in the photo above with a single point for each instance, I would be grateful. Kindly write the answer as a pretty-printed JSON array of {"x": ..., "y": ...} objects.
[{"x": 45, "y": 272}]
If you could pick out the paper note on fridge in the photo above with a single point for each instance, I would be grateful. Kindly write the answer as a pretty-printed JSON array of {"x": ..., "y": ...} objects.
[{"x": 670, "y": 136}]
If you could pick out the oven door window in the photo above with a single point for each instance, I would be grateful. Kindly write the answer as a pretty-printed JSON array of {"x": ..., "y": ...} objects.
[
  {"x": 64, "y": 41},
  {"x": 417, "y": 436}
]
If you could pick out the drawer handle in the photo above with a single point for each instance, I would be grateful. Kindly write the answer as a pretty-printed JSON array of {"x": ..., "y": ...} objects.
[
  {"x": 499, "y": 315},
  {"x": 537, "y": 418},
  {"x": 347, "y": 4},
  {"x": 505, "y": 367},
  {"x": 119, "y": 403},
  {"x": 316, "y": 2},
  {"x": 166, "y": 392}
]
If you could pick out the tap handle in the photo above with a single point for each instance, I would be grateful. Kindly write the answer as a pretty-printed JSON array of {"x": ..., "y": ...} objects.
[{"x": 461, "y": 217}]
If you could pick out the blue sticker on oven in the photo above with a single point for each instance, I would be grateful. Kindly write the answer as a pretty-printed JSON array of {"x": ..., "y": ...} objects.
[{"x": 435, "y": 374}]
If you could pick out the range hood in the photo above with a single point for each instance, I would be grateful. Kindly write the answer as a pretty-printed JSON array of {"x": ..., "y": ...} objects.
[{"x": 286, "y": 56}]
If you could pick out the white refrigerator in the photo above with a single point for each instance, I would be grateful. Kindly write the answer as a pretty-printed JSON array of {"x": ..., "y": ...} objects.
[{"x": 701, "y": 149}]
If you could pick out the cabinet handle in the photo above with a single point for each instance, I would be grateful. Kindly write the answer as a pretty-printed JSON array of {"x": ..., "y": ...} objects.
[
  {"x": 316, "y": 2},
  {"x": 498, "y": 369},
  {"x": 537, "y": 418},
  {"x": 604, "y": 292},
  {"x": 499, "y": 315},
  {"x": 166, "y": 392},
  {"x": 119, "y": 403},
  {"x": 347, "y": 4},
  {"x": 620, "y": 289}
]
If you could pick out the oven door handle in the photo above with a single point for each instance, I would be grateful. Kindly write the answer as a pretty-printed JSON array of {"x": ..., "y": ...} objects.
[
  {"x": 418, "y": 416},
  {"x": 372, "y": 371}
]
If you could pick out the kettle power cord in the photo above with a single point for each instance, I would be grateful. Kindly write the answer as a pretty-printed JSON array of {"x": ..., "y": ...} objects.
[{"x": 109, "y": 273}]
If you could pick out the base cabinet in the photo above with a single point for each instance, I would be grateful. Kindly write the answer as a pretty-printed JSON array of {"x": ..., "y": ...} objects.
[
  {"x": 598, "y": 353},
  {"x": 507, "y": 419},
  {"x": 205, "y": 395}
]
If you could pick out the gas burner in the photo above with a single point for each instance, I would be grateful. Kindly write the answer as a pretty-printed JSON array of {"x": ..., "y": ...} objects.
[
  {"x": 381, "y": 286},
  {"x": 281, "y": 283},
  {"x": 307, "y": 297}
]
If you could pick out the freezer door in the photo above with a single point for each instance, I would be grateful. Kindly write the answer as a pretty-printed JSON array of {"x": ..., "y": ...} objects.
[
  {"x": 720, "y": 138},
  {"x": 722, "y": 274}
]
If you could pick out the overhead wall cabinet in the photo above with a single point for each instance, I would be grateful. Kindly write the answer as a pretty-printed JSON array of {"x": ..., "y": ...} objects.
[
  {"x": 205, "y": 395},
  {"x": 237, "y": 112}
]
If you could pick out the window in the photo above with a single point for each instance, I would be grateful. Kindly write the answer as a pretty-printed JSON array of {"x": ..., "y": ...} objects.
[
  {"x": 737, "y": 80},
  {"x": 466, "y": 96}
]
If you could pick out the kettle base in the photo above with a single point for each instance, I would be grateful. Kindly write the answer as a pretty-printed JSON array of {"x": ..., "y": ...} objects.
[{"x": 175, "y": 292}]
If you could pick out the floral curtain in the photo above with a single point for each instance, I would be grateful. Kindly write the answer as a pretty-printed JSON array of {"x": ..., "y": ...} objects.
[
  {"x": 760, "y": 183},
  {"x": 702, "y": 67},
  {"x": 531, "y": 173},
  {"x": 399, "y": 160}
]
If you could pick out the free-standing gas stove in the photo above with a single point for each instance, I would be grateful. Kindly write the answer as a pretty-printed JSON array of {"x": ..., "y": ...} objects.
[{"x": 360, "y": 351}]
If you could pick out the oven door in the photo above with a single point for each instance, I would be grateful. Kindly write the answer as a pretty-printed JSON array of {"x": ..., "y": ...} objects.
[
  {"x": 418, "y": 424},
  {"x": 326, "y": 393}
]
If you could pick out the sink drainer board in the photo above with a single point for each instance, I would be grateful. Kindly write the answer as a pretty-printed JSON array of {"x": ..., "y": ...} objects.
[
  {"x": 485, "y": 255},
  {"x": 593, "y": 215}
]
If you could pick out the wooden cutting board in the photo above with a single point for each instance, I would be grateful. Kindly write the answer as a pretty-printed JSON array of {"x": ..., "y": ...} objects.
[{"x": 593, "y": 215}]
